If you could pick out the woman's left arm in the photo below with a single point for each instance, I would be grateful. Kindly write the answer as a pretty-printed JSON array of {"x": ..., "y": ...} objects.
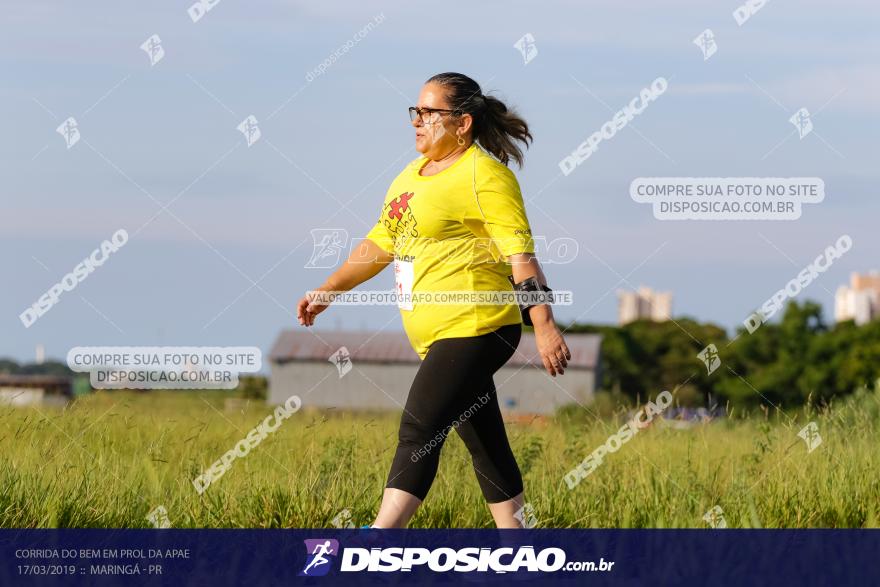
[{"x": 551, "y": 346}]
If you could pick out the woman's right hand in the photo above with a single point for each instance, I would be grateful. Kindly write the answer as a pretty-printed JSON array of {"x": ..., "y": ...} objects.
[
  {"x": 312, "y": 304},
  {"x": 366, "y": 260}
]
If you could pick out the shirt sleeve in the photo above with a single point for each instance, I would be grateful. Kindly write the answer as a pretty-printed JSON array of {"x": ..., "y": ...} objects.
[
  {"x": 379, "y": 234},
  {"x": 498, "y": 205}
]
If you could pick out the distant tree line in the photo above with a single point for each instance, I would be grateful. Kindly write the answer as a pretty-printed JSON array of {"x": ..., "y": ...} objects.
[
  {"x": 784, "y": 363},
  {"x": 10, "y": 367}
]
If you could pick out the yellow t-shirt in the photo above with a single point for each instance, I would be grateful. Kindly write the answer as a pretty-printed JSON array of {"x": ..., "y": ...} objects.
[{"x": 452, "y": 231}]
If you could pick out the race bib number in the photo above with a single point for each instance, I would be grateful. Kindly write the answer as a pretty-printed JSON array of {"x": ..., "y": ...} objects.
[{"x": 403, "y": 279}]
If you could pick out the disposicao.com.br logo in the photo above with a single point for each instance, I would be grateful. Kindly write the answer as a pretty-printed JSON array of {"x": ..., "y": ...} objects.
[
  {"x": 442, "y": 559},
  {"x": 317, "y": 559}
]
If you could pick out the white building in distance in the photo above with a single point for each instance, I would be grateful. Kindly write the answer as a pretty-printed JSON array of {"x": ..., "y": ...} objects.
[
  {"x": 860, "y": 301},
  {"x": 643, "y": 304}
]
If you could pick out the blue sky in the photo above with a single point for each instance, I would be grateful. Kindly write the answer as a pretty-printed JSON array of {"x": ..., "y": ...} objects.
[{"x": 243, "y": 214}]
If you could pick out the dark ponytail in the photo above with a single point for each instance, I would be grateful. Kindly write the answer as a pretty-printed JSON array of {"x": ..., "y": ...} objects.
[{"x": 496, "y": 128}]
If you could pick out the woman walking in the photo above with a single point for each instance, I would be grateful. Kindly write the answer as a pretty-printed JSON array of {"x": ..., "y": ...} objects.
[{"x": 454, "y": 220}]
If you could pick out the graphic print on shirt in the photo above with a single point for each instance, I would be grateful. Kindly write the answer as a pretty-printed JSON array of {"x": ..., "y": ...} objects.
[{"x": 399, "y": 219}]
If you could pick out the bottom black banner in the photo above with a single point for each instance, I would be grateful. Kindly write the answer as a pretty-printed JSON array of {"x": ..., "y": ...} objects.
[{"x": 363, "y": 557}]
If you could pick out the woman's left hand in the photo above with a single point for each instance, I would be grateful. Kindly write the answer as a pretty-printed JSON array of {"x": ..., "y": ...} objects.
[
  {"x": 551, "y": 346},
  {"x": 552, "y": 349}
]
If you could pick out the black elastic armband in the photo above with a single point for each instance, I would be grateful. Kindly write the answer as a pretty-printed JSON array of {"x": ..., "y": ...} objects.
[{"x": 529, "y": 292}]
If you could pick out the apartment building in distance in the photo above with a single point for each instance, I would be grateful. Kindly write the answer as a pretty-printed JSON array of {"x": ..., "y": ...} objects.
[
  {"x": 860, "y": 300},
  {"x": 643, "y": 304}
]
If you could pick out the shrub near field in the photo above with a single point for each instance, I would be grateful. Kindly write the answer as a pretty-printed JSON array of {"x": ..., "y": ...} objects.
[{"x": 112, "y": 457}]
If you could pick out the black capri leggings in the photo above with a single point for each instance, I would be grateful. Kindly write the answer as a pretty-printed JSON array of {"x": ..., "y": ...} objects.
[{"x": 454, "y": 389}]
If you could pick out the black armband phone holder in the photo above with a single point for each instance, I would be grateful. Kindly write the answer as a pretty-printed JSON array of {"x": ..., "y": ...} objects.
[{"x": 529, "y": 292}]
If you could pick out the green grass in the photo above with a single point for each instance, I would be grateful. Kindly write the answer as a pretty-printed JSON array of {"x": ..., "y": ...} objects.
[{"x": 111, "y": 457}]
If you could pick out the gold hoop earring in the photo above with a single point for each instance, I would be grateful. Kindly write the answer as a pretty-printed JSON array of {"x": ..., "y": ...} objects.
[{"x": 460, "y": 141}]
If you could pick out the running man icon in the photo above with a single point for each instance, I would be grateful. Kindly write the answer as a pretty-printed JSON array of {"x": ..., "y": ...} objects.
[{"x": 317, "y": 562}]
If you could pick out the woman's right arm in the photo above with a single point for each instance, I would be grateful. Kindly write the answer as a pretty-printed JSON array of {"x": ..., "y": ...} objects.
[{"x": 365, "y": 261}]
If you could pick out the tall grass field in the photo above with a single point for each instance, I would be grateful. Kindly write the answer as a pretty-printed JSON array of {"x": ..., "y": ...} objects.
[{"x": 110, "y": 458}]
